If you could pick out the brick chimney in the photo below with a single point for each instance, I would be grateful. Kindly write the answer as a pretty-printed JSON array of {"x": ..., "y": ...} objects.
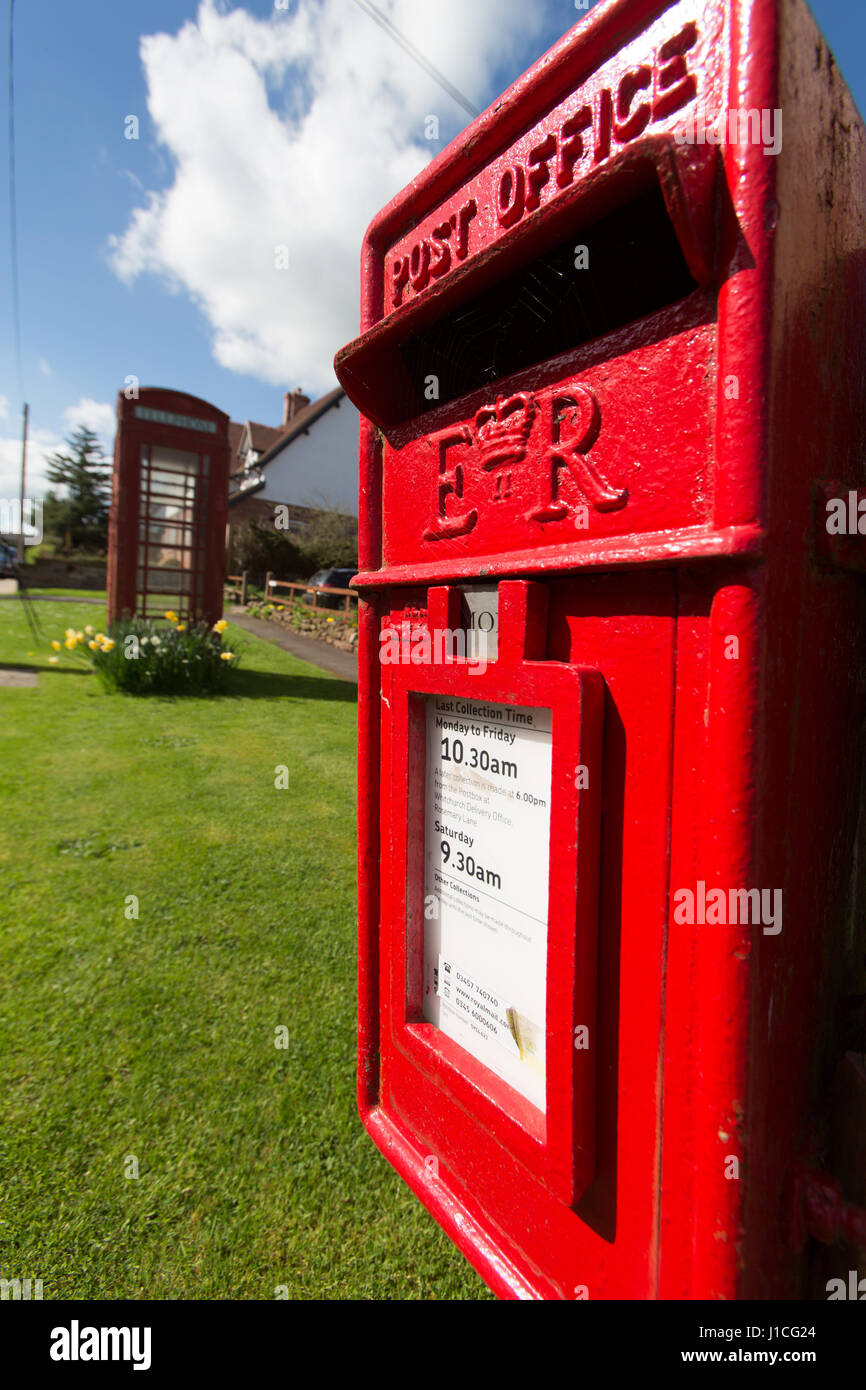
[{"x": 293, "y": 402}]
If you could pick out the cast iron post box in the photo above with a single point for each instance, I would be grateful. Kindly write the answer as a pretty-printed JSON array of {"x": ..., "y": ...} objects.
[
  {"x": 611, "y": 362},
  {"x": 169, "y": 505}
]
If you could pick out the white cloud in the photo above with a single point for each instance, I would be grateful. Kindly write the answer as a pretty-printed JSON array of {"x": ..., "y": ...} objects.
[
  {"x": 98, "y": 416},
  {"x": 40, "y": 444},
  {"x": 295, "y": 130}
]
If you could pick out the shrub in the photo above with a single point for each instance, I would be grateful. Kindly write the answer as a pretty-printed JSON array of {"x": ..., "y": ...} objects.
[
  {"x": 140, "y": 657},
  {"x": 258, "y": 548},
  {"x": 326, "y": 539},
  {"x": 302, "y": 617},
  {"x": 329, "y": 539}
]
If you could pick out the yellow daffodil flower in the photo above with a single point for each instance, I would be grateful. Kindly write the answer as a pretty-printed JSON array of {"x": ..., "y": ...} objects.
[
  {"x": 52, "y": 661},
  {"x": 56, "y": 645},
  {"x": 181, "y": 627},
  {"x": 89, "y": 630},
  {"x": 107, "y": 646},
  {"x": 227, "y": 656},
  {"x": 220, "y": 626},
  {"x": 71, "y": 643},
  {"x": 92, "y": 645},
  {"x": 100, "y": 636},
  {"x": 70, "y": 632}
]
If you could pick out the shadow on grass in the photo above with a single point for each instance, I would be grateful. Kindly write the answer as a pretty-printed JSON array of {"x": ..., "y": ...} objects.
[
  {"x": 246, "y": 685},
  {"x": 46, "y": 670},
  {"x": 269, "y": 685}
]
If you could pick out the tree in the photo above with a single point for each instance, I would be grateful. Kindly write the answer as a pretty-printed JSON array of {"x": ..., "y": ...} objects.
[
  {"x": 257, "y": 548},
  {"x": 325, "y": 539},
  {"x": 329, "y": 538},
  {"x": 85, "y": 472}
]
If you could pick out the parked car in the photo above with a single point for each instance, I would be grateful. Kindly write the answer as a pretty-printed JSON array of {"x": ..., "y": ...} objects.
[
  {"x": 8, "y": 561},
  {"x": 330, "y": 579}
]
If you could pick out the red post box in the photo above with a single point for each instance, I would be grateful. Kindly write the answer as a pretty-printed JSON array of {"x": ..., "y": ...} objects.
[
  {"x": 167, "y": 522},
  {"x": 611, "y": 908}
]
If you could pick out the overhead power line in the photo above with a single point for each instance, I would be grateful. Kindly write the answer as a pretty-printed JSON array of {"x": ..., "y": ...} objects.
[
  {"x": 399, "y": 38},
  {"x": 13, "y": 216}
]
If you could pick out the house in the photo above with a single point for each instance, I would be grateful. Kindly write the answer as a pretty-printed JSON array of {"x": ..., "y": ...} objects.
[
  {"x": 249, "y": 441},
  {"x": 309, "y": 462}
]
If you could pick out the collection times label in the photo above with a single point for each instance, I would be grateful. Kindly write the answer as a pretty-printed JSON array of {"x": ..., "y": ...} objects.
[{"x": 487, "y": 850}]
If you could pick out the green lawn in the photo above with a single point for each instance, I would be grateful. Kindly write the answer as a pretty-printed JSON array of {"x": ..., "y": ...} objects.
[
  {"x": 89, "y": 594},
  {"x": 154, "y": 1037}
]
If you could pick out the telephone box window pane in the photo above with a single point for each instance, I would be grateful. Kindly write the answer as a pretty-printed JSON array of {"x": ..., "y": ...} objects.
[
  {"x": 176, "y": 460},
  {"x": 487, "y": 851},
  {"x": 172, "y": 529}
]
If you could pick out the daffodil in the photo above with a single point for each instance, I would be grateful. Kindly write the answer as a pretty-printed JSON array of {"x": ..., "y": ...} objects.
[
  {"x": 220, "y": 626},
  {"x": 92, "y": 644},
  {"x": 56, "y": 645},
  {"x": 181, "y": 627},
  {"x": 100, "y": 636},
  {"x": 71, "y": 643},
  {"x": 107, "y": 646},
  {"x": 79, "y": 636},
  {"x": 52, "y": 661},
  {"x": 89, "y": 630},
  {"x": 227, "y": 656},
  {"x": 171, "y": 615}
]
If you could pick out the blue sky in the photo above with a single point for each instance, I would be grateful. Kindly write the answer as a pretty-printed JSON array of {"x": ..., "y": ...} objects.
[{"x": 257, "y": 127}]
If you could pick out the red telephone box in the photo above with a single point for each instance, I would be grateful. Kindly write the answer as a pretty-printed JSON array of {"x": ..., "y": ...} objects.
[
  {"x": 167, "y": 523},
  {"x": 611, "y": 908}
]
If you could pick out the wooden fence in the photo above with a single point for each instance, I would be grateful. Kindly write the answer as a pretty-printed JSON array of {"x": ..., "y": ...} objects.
[
  {"x": 314, "y": 589},
  {"x": 236, "y": 586}
]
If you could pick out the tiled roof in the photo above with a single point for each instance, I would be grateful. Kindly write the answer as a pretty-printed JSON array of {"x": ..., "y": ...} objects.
[
  {"x": 301, "y": 422},
  {"x": 235, "y": 434},
  {"x": 262, "y": 437}
]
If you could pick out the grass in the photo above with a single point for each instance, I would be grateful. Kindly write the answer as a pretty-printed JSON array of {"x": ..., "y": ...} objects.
[
  {"x": 153, "y": 1037},
  {"x": 90, "y": 594}
]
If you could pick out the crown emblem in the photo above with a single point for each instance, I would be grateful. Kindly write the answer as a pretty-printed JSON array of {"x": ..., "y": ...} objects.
[{"x": 503, "y": 429}]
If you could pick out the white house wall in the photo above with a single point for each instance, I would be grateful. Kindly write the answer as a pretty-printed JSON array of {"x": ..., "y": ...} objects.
[{"x": 319, "y": 469}]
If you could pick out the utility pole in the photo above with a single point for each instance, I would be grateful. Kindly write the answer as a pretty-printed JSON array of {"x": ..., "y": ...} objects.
[{"x": 23, "y": 481}]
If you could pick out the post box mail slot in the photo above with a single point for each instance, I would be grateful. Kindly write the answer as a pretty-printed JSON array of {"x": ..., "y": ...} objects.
[{"x": 611, "y": 348}]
